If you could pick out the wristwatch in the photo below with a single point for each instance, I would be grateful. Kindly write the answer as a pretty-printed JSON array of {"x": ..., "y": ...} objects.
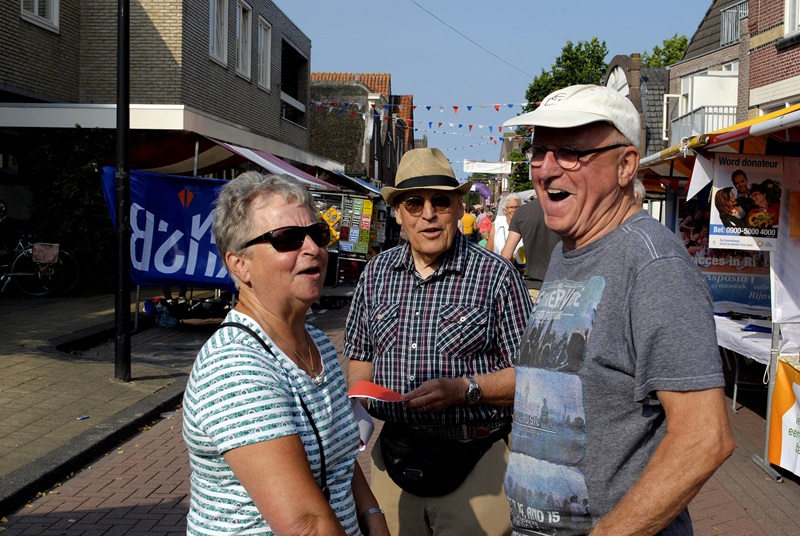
[{"x": 473, "y": 391}]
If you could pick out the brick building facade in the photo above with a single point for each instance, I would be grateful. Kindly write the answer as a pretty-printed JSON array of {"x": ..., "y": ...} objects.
[
  {"x": 224, "y": 92},
  {"x": 774, "y": 55},
  {"x": 355, "y": 119}
]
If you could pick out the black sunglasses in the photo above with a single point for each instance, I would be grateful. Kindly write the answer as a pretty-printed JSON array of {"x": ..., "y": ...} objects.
[
  {"x": 292, "y": 238},
  {"x": 440, "y": 202},
  {"x": 566, "y": 157}
]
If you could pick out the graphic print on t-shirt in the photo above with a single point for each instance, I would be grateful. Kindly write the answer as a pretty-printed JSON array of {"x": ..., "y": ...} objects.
[{"x": 544, "y": 483}]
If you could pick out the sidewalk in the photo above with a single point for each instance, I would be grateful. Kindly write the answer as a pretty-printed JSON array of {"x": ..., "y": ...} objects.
[
  {"x": 139, "y": 485},
  {"x": 59, "y": 409}
]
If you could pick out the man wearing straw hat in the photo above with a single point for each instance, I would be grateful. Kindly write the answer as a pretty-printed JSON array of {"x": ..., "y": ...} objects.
[{"x": 438, "y": 320}]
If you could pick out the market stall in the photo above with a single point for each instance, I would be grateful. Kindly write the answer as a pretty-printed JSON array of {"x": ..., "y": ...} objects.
[
  {"x": 358, "y": 224},
  {"x": 750, "y": 254}
]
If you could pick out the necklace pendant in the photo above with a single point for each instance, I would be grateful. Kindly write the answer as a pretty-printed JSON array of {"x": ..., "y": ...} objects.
[{"x": 318, "y": 379}]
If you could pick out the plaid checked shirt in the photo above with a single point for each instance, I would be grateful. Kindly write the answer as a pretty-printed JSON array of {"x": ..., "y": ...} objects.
[{"x": 464, "y": 320}]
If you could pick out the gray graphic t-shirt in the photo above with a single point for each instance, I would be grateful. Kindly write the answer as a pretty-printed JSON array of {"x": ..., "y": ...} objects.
[{"x": 616, "y": 321}]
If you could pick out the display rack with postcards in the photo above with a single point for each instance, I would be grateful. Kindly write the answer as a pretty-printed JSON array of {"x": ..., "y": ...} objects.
[{"x": 358, "y": 228}]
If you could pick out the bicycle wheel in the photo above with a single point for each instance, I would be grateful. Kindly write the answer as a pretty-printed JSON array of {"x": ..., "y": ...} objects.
[
  {"x": 70, "y": 271},
  {"x": 33, "y": 278}
]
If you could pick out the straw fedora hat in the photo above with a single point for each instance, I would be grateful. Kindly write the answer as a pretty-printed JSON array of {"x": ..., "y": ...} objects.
[{"x": 424, "y": 169}]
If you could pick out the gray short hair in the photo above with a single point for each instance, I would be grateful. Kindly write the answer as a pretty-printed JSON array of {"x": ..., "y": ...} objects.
[{"x": 233, "y": 223}]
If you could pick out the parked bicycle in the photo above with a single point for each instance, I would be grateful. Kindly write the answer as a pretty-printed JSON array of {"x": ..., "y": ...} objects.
[{"x": 36, "y": 268}]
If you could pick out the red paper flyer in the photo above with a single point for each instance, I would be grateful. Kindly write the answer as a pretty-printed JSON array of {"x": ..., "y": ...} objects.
[{"x": 367, "y": 389}]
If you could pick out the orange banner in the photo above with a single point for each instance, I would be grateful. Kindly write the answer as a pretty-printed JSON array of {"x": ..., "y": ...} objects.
[{"x": 784, "y": 424}]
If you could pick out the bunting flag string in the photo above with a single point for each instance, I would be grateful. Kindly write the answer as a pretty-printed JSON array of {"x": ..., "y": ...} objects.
[
  {"x": 435, "y": 131},
  {"x": 428, "y": 107},
  {"x": 382, "y": 114}
]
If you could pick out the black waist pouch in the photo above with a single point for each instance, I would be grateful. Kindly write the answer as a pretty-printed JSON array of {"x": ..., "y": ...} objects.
[{"x": 429, "y": 466}]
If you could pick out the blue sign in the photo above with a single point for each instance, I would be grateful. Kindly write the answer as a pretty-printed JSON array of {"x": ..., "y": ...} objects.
[{"x": 171, "y": 239}]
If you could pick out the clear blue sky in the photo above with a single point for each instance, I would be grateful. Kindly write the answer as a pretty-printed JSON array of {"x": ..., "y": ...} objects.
[{"x": 475, "y": 52}]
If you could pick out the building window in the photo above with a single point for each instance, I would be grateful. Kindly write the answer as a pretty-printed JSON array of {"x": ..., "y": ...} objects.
[
  {"x": 294, "y": 83},
  {"x": 729, "y": 23},
  {"x": 218, "y": 31},
  {"x": 732, "y": 66},
  {"x": 244, "y": 31},
  {"x": 43, "y": 13},
  {"x": 792, "y": 14},
  {"x": 264, "y": 54}
]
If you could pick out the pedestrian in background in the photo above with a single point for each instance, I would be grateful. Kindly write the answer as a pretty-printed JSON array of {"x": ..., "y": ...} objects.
[
  {"x": 485, "y": 225},
  {"x": 620, "y": 396},
  {"x": 469, "y": 227},
  {"x": 270, "y": 431},
  {"x": 528, "y": 226},
  {"x": 484, "y": 239},
  {"x": 438, "y": 320},
  {"x": 499, "y": 234}
]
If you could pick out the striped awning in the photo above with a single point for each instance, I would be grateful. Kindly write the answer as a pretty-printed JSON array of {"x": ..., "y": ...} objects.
[
  {"x": 190, "y": 153},
  {"x": 275, "y": 165},
  {"x": 675, "y": 163}
]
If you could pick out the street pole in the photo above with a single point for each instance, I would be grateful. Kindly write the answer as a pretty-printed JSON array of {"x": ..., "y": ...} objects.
[{"x": 122, "y": 306}]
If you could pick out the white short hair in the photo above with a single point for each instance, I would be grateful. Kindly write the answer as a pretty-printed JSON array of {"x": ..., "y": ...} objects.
[
  {"x": 639, "y": 191},
  {"x": 504, "y": 201}
]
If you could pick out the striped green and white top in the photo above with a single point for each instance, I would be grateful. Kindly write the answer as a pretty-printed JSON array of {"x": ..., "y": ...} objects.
[{"x": 238, "y": 395}]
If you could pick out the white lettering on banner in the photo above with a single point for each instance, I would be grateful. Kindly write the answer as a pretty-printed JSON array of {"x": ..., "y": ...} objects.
[
  {"x": 164, "y": 249},
  {"x": 198, "y": 231},
  {"x": 142, "y": 264},
  {"x": 145, "y": 239},
  {"x": 211, "y": 262}
]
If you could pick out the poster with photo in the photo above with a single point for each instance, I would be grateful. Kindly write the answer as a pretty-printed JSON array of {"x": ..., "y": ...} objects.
[
  {"x": 745, "y": 202},
  {"x": 739, "y": 280}
]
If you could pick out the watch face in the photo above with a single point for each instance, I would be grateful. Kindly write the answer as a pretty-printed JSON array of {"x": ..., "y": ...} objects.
[{"x": 473, "y": 392}]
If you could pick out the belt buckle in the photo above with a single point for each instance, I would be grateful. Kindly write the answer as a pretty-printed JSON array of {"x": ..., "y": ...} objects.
[{"x": 482, "y": 432}]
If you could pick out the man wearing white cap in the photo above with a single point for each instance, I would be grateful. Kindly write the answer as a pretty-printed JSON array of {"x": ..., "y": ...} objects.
[
  {"x": 619, "y": 415},
  {"x": 439, "y": 320}
]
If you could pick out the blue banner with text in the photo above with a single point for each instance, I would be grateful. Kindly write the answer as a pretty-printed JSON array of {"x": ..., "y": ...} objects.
[{"x": 171, "y": 239}]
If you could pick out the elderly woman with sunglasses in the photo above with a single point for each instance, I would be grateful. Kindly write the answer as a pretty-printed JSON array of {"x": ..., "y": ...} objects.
[{"x": 271, "y": 434}]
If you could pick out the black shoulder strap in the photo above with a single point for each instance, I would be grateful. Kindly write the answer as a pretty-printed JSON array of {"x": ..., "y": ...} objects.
[{"x": 323, "y": 473}]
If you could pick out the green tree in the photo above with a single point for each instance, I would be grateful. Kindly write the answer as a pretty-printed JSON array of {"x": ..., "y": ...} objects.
[
  {"x": 519, "y": 172},
  {"x": 670, "y": 52},
  {"x": 472, "y": 199},
  {"x": 579, "y": 63}
]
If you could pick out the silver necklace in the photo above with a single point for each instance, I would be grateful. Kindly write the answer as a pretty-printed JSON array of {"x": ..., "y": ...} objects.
[{"x": 317, "y": 377}]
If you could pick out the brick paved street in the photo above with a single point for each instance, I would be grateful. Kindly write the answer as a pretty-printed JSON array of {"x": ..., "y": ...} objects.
[{"x": 140, "y": 487}]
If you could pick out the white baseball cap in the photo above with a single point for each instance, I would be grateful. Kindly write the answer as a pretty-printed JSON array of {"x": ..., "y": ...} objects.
[{"x": 575, "y": 106}]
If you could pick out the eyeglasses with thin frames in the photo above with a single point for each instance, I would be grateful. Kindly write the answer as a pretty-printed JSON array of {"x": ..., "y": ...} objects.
[
  {"x": 566, "y": 157},
  {"x": 291, "y": 238},
  {"x": 414, "y": 205}
]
